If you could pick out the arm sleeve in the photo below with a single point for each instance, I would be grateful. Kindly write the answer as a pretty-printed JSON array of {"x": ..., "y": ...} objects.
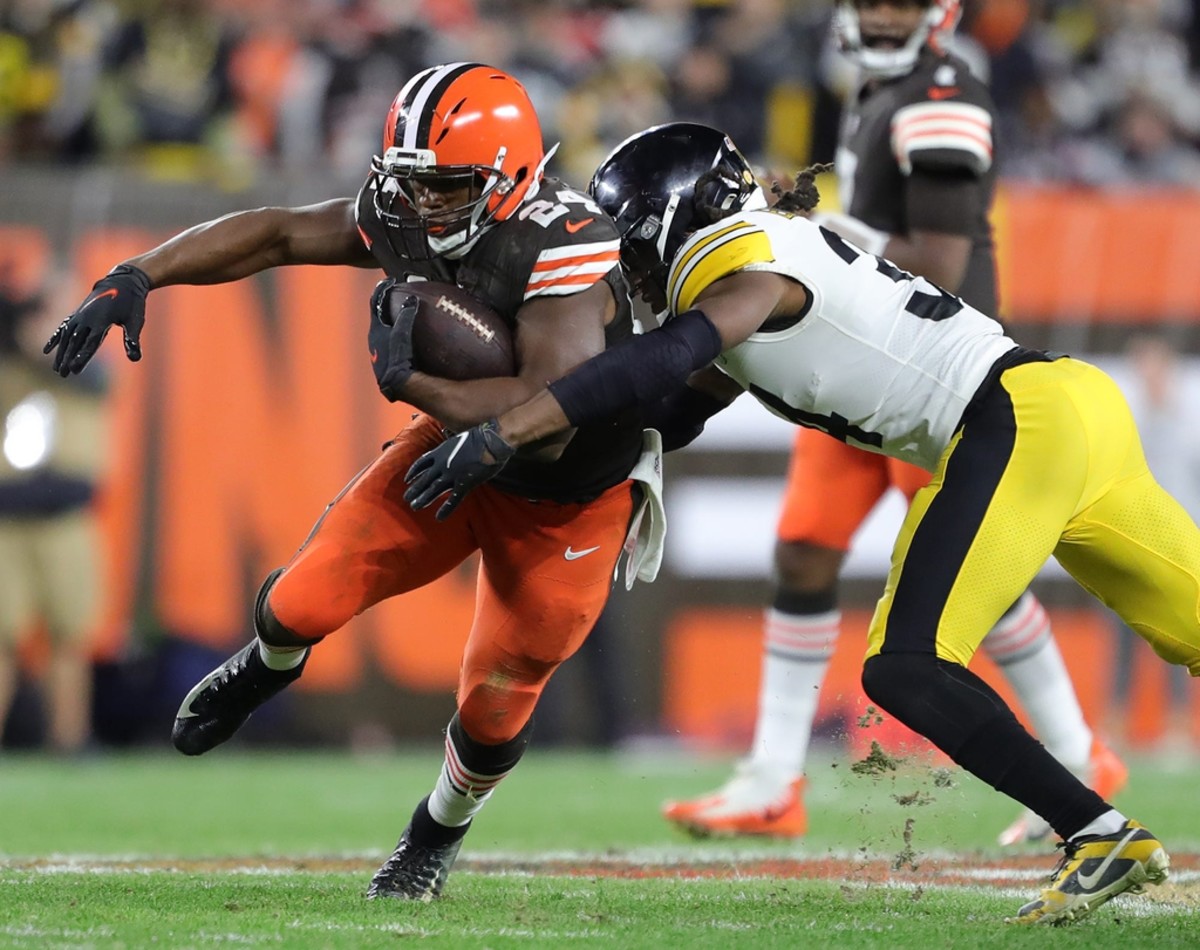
[{"x": 639, "y": 372}]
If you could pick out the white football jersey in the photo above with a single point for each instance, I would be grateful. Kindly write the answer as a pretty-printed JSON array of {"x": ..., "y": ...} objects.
[{"x": 882, "y": 360}]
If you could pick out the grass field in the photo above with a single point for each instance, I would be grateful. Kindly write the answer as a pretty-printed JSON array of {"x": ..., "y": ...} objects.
[{"x": 254, "y": 849}]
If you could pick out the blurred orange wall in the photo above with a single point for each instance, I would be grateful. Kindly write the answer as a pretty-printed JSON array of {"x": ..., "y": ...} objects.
[{"x": 253, "y": 407}]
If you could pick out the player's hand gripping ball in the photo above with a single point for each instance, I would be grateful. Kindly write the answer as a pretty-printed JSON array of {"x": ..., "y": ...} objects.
[
  {"x": 438, "y": 329},
  {"x": 389, "y": 338}
]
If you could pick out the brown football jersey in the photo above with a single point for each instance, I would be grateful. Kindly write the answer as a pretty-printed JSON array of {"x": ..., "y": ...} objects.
[
  {"x": 558, "y": 243},
  {"x": 937, "y": 120}
]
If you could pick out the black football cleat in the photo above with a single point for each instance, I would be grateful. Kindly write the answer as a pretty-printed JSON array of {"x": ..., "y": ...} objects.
[
  {"x": 414, "y": 872},
  {"x": 217, "y": 706}
]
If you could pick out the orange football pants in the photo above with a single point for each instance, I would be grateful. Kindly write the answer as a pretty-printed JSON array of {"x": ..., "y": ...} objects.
[
  {"x": 832, "y": 487},
  {"x": 545, "y": 573}
]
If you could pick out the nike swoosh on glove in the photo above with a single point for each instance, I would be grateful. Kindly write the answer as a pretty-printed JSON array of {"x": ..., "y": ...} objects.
[
  {"x": 457, "y": 466},
  {"x": 117, "y": 300}
]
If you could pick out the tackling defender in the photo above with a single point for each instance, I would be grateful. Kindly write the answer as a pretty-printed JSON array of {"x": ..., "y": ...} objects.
[
  {"x": 917, "y": 178},
  {"x": 1032, "y": 454},
  {"x": 457, "y": 194}
]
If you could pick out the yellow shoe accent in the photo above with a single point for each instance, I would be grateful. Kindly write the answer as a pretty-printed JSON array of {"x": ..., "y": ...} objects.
[{"x": 1095, "y": 869}]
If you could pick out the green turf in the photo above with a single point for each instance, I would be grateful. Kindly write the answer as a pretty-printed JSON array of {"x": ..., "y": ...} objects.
[
  {"x": 236, "y": 803},
  {"x": 301, "y": 911}
]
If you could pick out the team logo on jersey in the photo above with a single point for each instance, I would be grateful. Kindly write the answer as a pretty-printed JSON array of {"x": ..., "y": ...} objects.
[{"x": 945, "y": 75}]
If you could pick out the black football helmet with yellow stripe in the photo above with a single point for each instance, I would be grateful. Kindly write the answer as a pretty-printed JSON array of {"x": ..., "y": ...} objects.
[{"x": 661, "y": 185}]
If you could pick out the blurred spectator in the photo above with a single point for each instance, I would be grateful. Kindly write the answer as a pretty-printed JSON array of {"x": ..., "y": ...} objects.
[
  {"x": 1164, "y": 400},
  {"x": 167, "y": 89},
  {"x": 744, "y": 53},
  {"x": 261, "y": 67},
  {"x": 238, "y": 89},
  {"x": 1145, "y": 147},
  {"x": 51, "y": 55},
  {"x": 657, "y": 32},
  {"x": 620, "y": 99},
  {"x": 1136, "y": 48},
  {"x": 1140, "y": 145},
  {"x": 370, "y": 47},
  {"x": 52, "y": 452}
]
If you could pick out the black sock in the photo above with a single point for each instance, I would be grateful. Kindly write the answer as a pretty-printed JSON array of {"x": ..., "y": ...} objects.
[
  {"x": 427, "y": 833},
  {"x": 965, "y": 718}
]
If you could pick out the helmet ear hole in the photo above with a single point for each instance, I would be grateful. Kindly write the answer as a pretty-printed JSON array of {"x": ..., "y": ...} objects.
[
  {"x": 515, "y": 182},
  {"x": 716, "y": 196}
]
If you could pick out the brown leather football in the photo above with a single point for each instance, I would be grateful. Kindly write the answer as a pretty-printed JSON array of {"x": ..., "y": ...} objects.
[{"x": 455, "y": 335}]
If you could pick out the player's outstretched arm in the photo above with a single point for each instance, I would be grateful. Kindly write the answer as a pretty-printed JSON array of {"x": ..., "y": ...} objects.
[{"x": 218, "y": 251}]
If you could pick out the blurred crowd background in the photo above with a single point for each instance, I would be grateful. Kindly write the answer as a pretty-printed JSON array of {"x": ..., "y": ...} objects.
[
  {"x": 1089, "y": 91},
  {"x": 122, "y": 121}
]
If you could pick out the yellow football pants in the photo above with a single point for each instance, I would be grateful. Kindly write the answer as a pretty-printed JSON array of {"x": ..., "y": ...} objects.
[{"x": 1049, "y": 463}]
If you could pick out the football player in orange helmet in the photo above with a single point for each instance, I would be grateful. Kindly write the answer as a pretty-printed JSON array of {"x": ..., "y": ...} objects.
[{"x": 459, "y": 193}]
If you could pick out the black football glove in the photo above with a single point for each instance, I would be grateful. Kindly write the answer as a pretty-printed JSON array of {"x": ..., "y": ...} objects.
[
  {"x": 390, "y": 338},
  {"x": 458, "y": 465},
  {"x": 116, "y": 300}
]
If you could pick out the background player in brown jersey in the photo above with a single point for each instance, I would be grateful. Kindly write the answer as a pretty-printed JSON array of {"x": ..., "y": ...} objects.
[
  {"x": 916, "y": 176},
  {"x": 458, "y": 193}
]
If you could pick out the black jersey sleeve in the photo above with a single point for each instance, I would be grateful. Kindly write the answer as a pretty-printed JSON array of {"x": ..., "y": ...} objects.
[{"x": 945, "y": 202}]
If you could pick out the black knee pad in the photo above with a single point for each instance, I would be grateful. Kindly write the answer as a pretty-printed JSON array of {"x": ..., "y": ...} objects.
[
  {"x": 892, "y": 680},
  {"x": 267, "y": 626},
  {"x": 942, "y": 701}
]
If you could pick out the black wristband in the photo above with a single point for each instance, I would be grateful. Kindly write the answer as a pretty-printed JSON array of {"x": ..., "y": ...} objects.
[
  {"x": 140, "y": 277},
  {"x": 499, "y": 447},
  {"x": 640, "y": 371}
]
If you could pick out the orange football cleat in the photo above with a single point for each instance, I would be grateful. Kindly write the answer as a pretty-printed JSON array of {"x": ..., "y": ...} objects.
[{"x": 748, "y": 804}]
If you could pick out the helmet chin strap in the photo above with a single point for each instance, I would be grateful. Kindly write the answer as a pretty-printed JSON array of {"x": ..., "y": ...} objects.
[
  {"x": 536, "y": 185},
  {"x": 756, "y": 200},
  {"x": 664, "y": 229}
]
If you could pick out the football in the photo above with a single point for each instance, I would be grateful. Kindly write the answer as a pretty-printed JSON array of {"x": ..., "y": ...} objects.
[{"x": 455, "y": 335}]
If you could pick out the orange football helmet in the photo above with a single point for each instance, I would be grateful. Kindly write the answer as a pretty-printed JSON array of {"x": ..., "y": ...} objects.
[
  {"x": 455, "y": 126},
  {"x": 935, "y": 29}
]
